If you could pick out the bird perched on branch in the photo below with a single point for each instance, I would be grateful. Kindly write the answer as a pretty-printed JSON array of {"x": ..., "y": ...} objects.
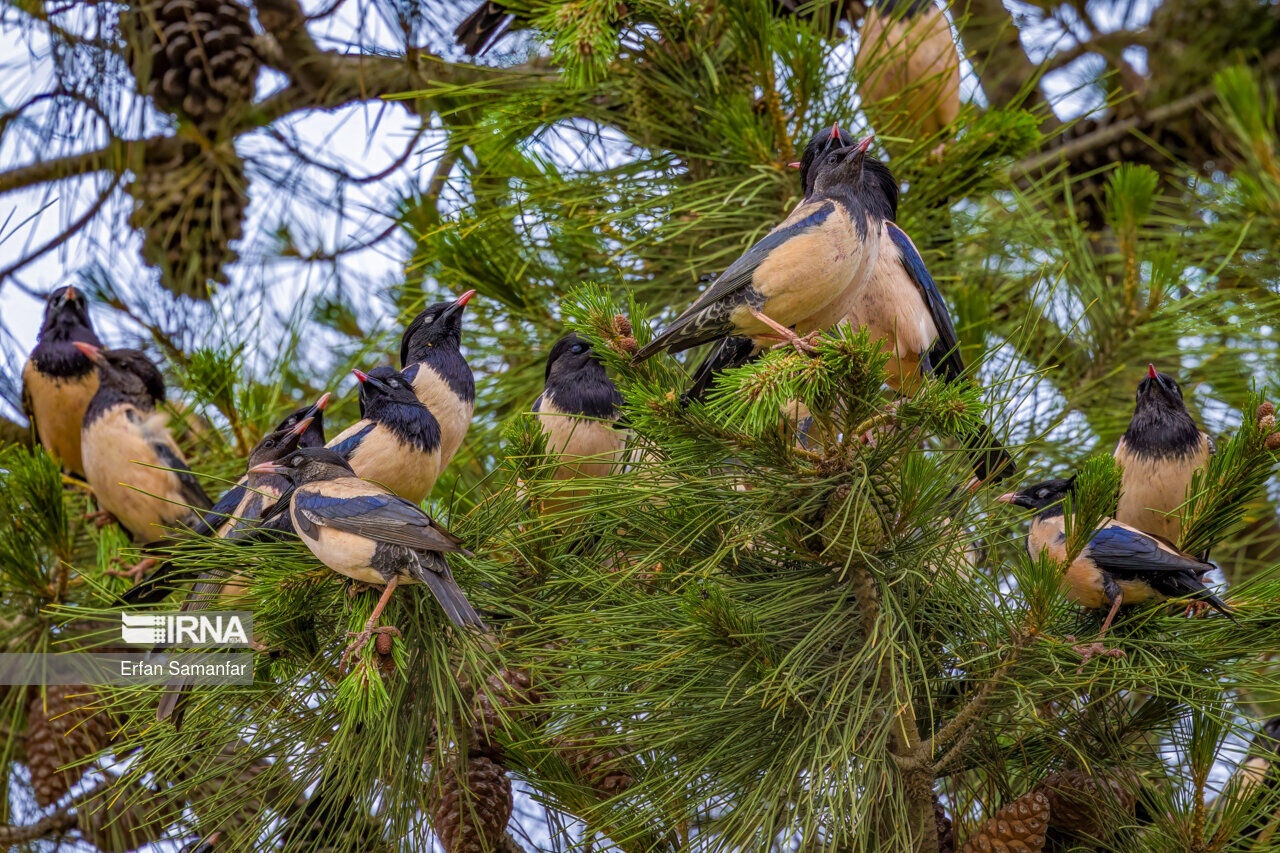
[
  {"x": 247, "y": 501},
  {"x": 132, "y": 463},
  {"x": 1120, "y": 566},
  {"x": 1158, "y": 455},
  {"x": 801, "y": 278},
  {"x": 579, "y": 410},
  {"x": 908, "y": 69},
  {"x": 258, "y": 493},
  {"x": 431, "y": 356},
  {"x": 364, "y": 532},
  {"x": 396, "y": 442},
  {"x": 59, "y": 380}
]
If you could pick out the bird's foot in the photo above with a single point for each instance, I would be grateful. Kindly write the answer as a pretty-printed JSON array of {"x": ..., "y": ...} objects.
[
  {"x": 136, "y": 572},
  {"x": 1087, "y": 651},
  {"x": 788, "y": 337},
  {"x": 1197, "y": 610},
  {"x": 939, "y": 151},
  {"x": 362, "y": 639},
  {"x": 100, "y": 519},
  {"x": 357, "y": 587},
  {"x": 869, "y": 431}
]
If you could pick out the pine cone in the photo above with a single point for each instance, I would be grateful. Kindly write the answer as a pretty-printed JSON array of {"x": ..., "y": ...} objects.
[
  {"x": 189, "y": 209},
  {"x": 507, "y": 691},
  {"x": 62, "y": 729},
  {"x": 946, "y": 833},
  {"x": 599, "y": 767},
  {"x": 1084, "y": 805},
  {"x": 471, "y": 819},
  {"x": 1019, "y": 827},
  {"x": 194, "y": 57}
]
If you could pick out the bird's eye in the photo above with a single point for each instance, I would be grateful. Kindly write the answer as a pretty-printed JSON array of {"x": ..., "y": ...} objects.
[
  {"x": 577, "y": 348},
  {"x": 833, "y": 158},
  {"x": 394, "y": 383},
  {"x": 270, "y": 442},
  {"x": 297, "y": 460}
]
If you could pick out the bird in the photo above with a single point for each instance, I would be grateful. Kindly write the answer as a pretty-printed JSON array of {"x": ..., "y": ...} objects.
[
  {"x": 483, "y": 28},
  {"x": 59, "y": 380},
  {"x": 246, "y": 502},
  {"x": 908, "y": 69},
  {"x": 249, "y": 500},
  {"x": 579, "y": 411},
  {"x": 1158, "y": 455},
  {"x": 361, "y": 530},
  {"x": 800, "y": 278},
  {"x": 396, "y": 442},
  {"x": 432, "y": 360},
  {"x": 1120, "y": 565},
  {"x": 131, "y": 461}
]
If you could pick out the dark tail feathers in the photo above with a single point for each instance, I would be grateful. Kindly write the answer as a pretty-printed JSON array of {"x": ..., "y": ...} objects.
[
  {"x": 434, "y": 572},
  {"x": 730, "y": 352}
]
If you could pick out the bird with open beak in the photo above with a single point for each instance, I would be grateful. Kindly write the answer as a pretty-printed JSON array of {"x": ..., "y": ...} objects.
[
  {"x": 1159, "y": 454},
  {"x": 360, "y": 530},
  {"x": 59, "y": 380},
  {"x": 796, "y": 282},
  {"x": 131, "y": 461},
  {"x": 432, "y": 361},
  {"x": 908, "y": 69},
  {"x": 245, "y": 503},
  {"x": 578, "y": 411},
  {"x": 1120, "y": 565},
  {"x": 396, "y": 442}
]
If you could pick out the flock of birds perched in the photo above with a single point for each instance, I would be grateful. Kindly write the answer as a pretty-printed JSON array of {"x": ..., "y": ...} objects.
[{"x": 354, "y": 500}]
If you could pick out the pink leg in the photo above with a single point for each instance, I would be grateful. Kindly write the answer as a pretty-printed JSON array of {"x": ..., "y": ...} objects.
[{"x": 370, "y": 627}]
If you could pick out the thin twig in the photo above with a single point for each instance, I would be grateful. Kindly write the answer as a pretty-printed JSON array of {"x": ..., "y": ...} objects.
[{"x": 66, "y": 235}]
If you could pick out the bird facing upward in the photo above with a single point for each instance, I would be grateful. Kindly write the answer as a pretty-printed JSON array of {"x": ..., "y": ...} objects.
[
  {"x": 431, "y": 356},
  {"x": 578, "y": 411},
  {"x": 396, "y": 442},
  {"x": 59, "y": 380},
  {"x": 132, "y": 463},
  {"x": 1158, "y": 455},
  {"x": 364, "y": 532},
  {"x": 1120, "y": 565},
  {"x": 799, "y": 278}
]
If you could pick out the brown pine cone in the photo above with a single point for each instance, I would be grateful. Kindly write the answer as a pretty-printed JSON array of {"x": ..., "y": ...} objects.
[
  {"x": 1019, "y": 827},
  {"x": 471, "y": 817},
  {"x": 600, "y": 767},
  {"x": 1086, "y": 805},
  {"x": 946, "y": 833},
  {"x": 194, "y": 57},
  {"x": 189, "y": 209},
  {"x": 62, "y": 729},
  {"x": 508, "y": 691}
]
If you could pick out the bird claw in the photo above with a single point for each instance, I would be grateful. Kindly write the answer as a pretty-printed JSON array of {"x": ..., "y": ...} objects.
[
  {"x": 357, "y": 587},
  {"x": 100, "y": 519},
  {"x": 1197, "y": 610},
  {"x": 136, "y": 572},
  {"x": 1087, "y": 651},
  {"x": 788, "y": 337},
  {"x": 362, "y": 638}
]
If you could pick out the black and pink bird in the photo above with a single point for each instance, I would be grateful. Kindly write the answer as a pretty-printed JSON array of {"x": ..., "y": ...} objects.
[{"x": 432, "y": 362}]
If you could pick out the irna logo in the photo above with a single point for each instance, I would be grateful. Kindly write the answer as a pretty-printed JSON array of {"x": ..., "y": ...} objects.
[{"x": 186, "y": 629}]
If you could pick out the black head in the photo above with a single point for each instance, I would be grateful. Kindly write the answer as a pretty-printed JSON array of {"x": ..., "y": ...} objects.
[
  {"x": 381, "y": 387},
  {"x": 822, "y": 142},
  {"x": 303, "y": 427},
  {"x": 841, "y": 169},
  {"x": 1040, "y": 496},
  {"x": 307, "y": 464},
  {"x": 570, "y": 356},
  {"x": 66, "y": 317},
  {"x": 437, "y": 325},
  {"x": 128, "y": 371},
  {"x": 880, "y": 189},
  {"x": 1161, "y": 390}
]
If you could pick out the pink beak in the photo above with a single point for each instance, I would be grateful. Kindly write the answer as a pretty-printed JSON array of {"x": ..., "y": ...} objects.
[
  {"x": 361, "y": 376},
  {"x": 795, "y": 165},
  {"x": 301, "y": 427},
  {"x": 464, "y": 298},
  {"x": 266, "y": 468},
  {"x": 1007, "y": 498},
  {"x": 1151, "y": 370},
  {"x": 323, "y": 401},
  {"x": 94, "y": 353},
  {"x": 835, "y": 131},
  {"x": 865, "y": 143}
]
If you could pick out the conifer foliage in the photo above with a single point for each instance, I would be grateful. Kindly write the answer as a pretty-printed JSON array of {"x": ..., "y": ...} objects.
[{"x": 783, "y": 617}]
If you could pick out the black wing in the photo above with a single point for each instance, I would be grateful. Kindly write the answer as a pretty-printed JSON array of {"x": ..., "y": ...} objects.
[
  {"x": 945, "y": 354},
  {"x": 731, "y": 352},
  {"x": 349, "y": 444},
  {"x": 708, "y": 317},
  {"x": 192, "y": 492},
  {"x": 382, "y": 518},
  {"x": 223, "y": 511}
]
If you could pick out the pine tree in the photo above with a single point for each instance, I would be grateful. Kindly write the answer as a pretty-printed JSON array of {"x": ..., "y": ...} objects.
[{"x": 736, "y": 641}]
